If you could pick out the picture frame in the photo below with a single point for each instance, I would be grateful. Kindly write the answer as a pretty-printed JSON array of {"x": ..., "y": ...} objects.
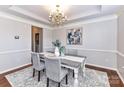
[{"x": 74, "y": 36}]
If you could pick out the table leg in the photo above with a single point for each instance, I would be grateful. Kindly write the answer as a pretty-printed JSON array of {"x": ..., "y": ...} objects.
[
  {"x": 83, "y": 68},
  {"x": 75, "y": 77}
]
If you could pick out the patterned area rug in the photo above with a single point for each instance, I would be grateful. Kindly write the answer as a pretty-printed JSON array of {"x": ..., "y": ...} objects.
[{"x": 23, "y": 78}]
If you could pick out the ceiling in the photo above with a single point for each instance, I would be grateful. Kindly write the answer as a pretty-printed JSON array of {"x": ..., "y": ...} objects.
[{"x": 74, "y": 13}]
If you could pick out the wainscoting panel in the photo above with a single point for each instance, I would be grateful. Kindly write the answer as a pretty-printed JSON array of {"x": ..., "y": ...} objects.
[
  {"x": 120, "y": 65},
  {"x": 14, "y": 59},
  {"x": 100, "y": 58},
  {"x": 105, "y": 59}
]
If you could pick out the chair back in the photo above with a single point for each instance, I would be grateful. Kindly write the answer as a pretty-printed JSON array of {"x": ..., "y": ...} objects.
[
  {"x": 36, "y": 60},
  {"x": 53, "y": 68}
]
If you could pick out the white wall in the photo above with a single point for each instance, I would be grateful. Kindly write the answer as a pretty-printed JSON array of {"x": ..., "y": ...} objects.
[
  {"x": 14, "y": 52},
  {"x": 120, "y": 47},
  {"x": 99, "y": 42},
  {"x": 47, "y": 39}
]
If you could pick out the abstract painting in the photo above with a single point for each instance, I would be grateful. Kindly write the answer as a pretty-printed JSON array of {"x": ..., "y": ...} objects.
[{"x": 74, "y": 36}]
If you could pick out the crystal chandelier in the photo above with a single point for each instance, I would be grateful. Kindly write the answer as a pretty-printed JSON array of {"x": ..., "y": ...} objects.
[{"x": 57, "y": 17}]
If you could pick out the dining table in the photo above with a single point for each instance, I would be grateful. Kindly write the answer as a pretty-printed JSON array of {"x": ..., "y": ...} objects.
[{"x": 71, "y": 62}]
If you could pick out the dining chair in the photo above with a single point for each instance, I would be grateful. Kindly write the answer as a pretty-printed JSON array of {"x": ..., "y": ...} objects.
[
  {"x": 37, "y": 64},
  {"x": 54, "y": 71}
]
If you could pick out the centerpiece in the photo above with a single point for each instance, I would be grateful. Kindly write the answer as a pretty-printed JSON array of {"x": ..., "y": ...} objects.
[{"x": 59, "y": 50}]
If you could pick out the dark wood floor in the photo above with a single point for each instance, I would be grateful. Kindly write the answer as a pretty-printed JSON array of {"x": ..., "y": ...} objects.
[
  {"x": 4, "y": 82},
  {"x": 113, "y": 77}
]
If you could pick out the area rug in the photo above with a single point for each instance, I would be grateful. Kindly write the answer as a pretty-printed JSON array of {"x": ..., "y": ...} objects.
[{"x": 23, "y": 78}]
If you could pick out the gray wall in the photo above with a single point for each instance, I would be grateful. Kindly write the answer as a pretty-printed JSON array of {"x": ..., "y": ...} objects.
[
  {"x": 47, "y": 39},
  {"x": 99, "y": 42},
  {"x": 120, "y": 47},
  {"x": 14, "y": 52}
]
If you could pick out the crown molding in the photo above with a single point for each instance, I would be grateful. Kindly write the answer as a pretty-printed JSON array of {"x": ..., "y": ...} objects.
[
  {"x": 97, "y": 19},
  {"x": 90, "y": 13},
  {"x": 27, "y": 13},
  {"x": 20, "y": 19}
]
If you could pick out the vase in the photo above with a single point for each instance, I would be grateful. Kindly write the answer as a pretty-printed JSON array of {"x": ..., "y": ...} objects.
[
  {"x": 62, "y": 54},
  {"x": 57, "y": 51}
]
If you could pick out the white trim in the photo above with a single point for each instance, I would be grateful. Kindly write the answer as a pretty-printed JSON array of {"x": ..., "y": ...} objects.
[
  {"x": 20, "y": 19},
  {"x": 97, "y": 50},
  {"x": 119, "y": 53},
  {"x": 120, "y": 76},
  {"x": 14, "y": 51},
  {"x": 85, "y": 14},
  {"x": 101, "y": 66},
  {"x": 27, "y": 13},
  {"x": 14, "y": 68},
  {"x": 92, "y": 20},
  {"x": 9, "y": 80}
]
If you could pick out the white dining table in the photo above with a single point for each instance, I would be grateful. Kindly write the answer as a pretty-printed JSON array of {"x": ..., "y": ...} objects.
[{"x": 70, "y": 60}]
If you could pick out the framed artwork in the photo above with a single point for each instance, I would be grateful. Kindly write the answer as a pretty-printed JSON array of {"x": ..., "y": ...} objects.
[{"x": 74, "y": 36}]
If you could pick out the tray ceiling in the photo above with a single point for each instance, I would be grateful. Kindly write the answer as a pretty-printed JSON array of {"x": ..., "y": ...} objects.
[{"x": 74, "y": 13}]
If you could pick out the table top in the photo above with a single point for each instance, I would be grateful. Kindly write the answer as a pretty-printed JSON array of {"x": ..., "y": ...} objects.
[{"x": 66, "y": 57}]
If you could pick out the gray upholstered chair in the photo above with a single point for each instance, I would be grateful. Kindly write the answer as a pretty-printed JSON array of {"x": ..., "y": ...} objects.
[
  {"x": 37, "y": 65},
  {"x": 54, "y": 71}
]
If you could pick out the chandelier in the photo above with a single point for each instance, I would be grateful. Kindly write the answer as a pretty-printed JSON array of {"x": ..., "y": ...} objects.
[{"x": 57, "y": 17}]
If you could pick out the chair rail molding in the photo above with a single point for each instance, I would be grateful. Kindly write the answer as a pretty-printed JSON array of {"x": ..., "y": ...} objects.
[
  {"x": 14, "y": 51},
  {"x": 97, "y": 50}
]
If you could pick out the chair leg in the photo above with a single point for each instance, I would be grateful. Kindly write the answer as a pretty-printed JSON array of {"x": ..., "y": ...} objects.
[
  {"x": 33, "y": 72},
  {"x": 59, "y": 84},
  {"x": 73, "y": 73},
  {"x": 66, "y": 79},
  {"x": 43, "y": 70},
  {"x": 47, "y": 82},
  {"x": 38, "y": 76}
]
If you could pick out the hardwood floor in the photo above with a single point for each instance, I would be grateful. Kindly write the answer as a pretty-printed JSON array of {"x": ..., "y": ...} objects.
[
  {"x": 4, "y": 82},
  {"x": 113, "y": 77}
]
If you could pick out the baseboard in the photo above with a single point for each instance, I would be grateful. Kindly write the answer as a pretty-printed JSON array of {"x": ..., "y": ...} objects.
[
  {"x": 102, "y": 66},
  {"x": 122, "y": 79},
  {"x": 25, "y": 65},
  {"x": 119, "y": 53},
  {"x": 15, "y": 68}
]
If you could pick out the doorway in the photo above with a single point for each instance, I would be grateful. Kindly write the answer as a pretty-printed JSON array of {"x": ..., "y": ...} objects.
[{"x": 37, "y": 39}]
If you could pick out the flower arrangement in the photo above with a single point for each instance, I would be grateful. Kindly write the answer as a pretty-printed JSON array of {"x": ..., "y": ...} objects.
[
  {"x": 57, "y": 43},
  {"x": 61, "y": 49}
]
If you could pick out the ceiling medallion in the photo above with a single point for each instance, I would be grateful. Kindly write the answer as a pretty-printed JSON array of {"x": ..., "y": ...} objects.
[{"x": 57, "y": 17}]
